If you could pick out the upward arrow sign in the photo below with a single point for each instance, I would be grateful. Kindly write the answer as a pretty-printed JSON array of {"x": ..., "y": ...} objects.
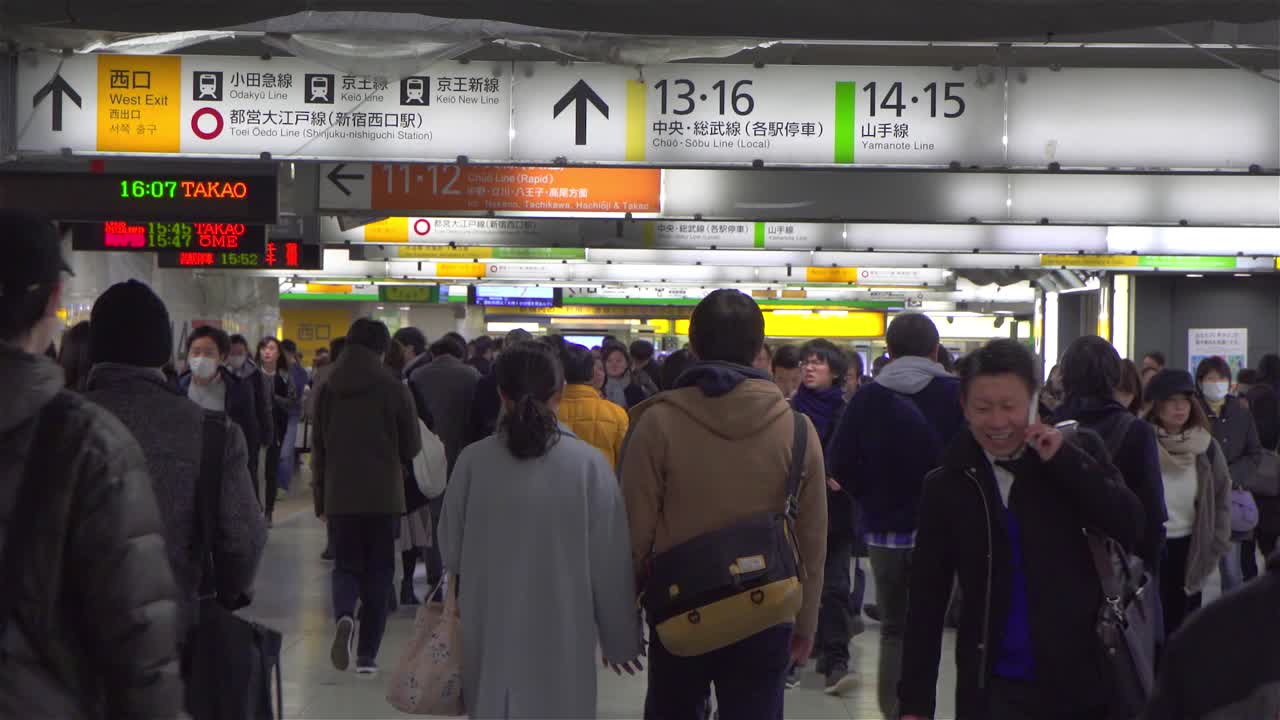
[
  {"x": 59, "y": 87},
  {"x": 581, "y": 94}
]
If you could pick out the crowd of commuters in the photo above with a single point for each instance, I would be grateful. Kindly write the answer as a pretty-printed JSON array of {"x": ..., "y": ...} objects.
[{"x": 576, "y": 477}]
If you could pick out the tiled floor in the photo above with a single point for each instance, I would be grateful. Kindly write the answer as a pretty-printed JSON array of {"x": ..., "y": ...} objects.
[{"x": 293, "y": 597}]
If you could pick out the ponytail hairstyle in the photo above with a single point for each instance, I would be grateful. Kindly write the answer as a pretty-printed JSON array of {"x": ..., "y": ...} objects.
[{"x": 529, "y": 376}]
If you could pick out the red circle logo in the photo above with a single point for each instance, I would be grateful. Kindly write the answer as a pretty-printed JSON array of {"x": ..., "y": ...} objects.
[
  {"x": 195, "y": 123},
  {"x": 421, "y": 227}
]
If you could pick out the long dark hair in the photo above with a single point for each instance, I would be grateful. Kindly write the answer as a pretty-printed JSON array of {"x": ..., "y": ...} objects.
[
  {"x": 529, "y": 376},
  {"x": 282, "y": 360}
]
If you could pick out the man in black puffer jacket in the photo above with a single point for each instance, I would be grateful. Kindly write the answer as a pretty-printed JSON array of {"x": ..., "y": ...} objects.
[
  {"x": 93, "y": 631},
  {"x": 130, "y": 340}
]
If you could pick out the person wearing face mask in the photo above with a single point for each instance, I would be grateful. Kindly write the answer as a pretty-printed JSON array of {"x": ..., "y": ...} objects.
[
  {"x": 242, "y": 366},
  {"x": 213, "y": 386},
  {"x": 1197, "y": 485},
  {"x": 1234, "y": 429},
  {"x": 1003, "y": 514}
]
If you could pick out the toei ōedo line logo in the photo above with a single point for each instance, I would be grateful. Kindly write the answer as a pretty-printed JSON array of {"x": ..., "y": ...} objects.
[{"x": 206, "y": 129}]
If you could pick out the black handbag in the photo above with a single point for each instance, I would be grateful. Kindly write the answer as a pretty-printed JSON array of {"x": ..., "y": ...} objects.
[
  {"x": 1127, "y": 618},
  {"x": 725, "y": 586},
  {"x": 228, "y": 662},
  {"x": 1126, "y": 622}
]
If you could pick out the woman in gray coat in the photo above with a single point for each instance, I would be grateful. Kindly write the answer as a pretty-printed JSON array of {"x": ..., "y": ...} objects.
[
  {"x": 1233, "y": 427},
  {"x": 535, "y": 527}
]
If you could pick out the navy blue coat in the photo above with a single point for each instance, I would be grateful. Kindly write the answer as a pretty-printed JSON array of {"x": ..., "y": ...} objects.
[{"x": 884, "y": 447}]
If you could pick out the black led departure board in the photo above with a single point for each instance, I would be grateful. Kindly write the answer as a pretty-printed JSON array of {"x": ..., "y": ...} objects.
[
  {"x": 125, "y": 236},
  {"x": 271, "y": 255},
  {"x": 208, "y": 197}
]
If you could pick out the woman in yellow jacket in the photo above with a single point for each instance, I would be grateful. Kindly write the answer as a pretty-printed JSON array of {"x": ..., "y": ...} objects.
[{"x": 596, "y": 421}]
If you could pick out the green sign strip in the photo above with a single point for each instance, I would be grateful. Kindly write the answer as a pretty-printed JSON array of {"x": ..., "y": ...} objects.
[
  {"x": 531, "y": 253},
  {"x": 339, "y": 297},
  {"x": 408, "y": 293},
  {"x": 759, "y": 234},
  {"x": 1190, "y": 262},
  {"x": 846, "y": 120},
  {"x": 690, "y": 302}
]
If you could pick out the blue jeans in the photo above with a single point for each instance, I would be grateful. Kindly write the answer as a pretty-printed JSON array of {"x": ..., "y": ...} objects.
[
  {"x": 1231, "y": 569},
  {"x": 748, "y": 676}
]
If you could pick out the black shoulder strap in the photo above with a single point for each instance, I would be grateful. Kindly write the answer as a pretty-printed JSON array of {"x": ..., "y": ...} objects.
[
  {"x": 41, "y": 454},
  {"x": 798, "y": 448},
  {"x": 208, "y": 496},
  {"x": 1119, "y": 431}
]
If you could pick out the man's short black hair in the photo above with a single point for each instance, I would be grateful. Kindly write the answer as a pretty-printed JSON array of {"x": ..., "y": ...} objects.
[
  {"x": 642, "y": 350},
  {"x": 579, "y": 364},
  {"x": 912, "y": 335},
  {"x": 217, "y": 335},
  {"x": 828, "y": 353},
  {"x": 1157, "y": 356},
  {"x": 370, "y": 334},
  {"x": 449, "y": 345},
  {"x": 1091, "y": 368},
  {"x": 483, "y": 345},
  {"x": 727, "y": 326},
  {"x": 786, "y": 357},
  {"x": 998, "y": 357},
  {"x": 857, "y": 366},
  {"x": 458, "y": 337},
  {"x": 336, "y": 346},
  {"x": 411, "y": 337},
  {"x": 1213, "y": 364},
  {"x": 289, "y": 346},
  {"x": 240, "y": 340},
  {"x": 879, "y": 364}
]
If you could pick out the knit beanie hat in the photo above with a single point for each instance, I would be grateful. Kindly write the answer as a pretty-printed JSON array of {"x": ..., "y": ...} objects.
[
  {"x": 130, "y": 326},
  {"x": 1168, "y": 383}
]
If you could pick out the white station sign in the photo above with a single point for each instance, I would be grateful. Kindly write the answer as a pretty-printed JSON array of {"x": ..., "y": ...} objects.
[
  {"x": 660, "y": 115},
  {"x": 781, "y": 114},
  {"x": 241, "y": 106}
]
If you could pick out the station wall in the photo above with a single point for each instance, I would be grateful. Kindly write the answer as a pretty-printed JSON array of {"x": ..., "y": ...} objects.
[{"x": 1166, "y": 307}]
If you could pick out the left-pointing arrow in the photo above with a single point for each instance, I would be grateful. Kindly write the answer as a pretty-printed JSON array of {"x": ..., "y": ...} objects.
[
  {"x": 336, "y": 177},
  {"x": 58, "y": 87}
]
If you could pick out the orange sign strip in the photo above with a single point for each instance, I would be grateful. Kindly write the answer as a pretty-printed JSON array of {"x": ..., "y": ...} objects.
[{"x": 470, "y": 188}]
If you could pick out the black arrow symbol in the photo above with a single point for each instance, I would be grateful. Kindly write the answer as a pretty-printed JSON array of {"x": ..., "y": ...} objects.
[
  {"x": 59, "y": 87},
  {"x": 336, "y": 177},
  {"x": 581, "y": 94}
]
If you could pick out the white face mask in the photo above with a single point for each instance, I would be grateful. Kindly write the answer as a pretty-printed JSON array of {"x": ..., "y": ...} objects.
[
  {"x": 1215, "y": 391},
  {"x": 203, "y": 367},
  {"x": 237, "y": 361}
]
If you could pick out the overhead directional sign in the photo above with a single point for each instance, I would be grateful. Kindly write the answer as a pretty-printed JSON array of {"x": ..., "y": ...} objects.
[
  {"x": 244, "y": 106},
  {"x": 711, "y": 114},
  {"x": 487, "y": 188},
  {"x": 530, "y": 113},
  {"x": 580, "y": 95},
  {"x": 336, "y": 178},
  {"x": 57, "y": 87}
]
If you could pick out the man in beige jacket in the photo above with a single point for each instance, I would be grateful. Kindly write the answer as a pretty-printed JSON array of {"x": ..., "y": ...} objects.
[{"x": 704, "y": 456}]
